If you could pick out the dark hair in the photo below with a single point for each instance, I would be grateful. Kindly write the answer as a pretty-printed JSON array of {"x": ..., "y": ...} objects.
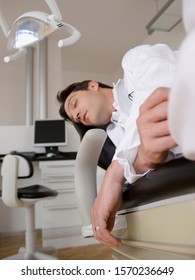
[{"x": 62, "y": 95}]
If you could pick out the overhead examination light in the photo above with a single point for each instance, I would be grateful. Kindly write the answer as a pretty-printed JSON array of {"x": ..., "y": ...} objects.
[
  {"x": 166, "y": 18},
  {"x": 32, "y": 27}
]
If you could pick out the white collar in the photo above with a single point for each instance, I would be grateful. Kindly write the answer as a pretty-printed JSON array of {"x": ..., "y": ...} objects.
[{"x": 120, "y": 115}]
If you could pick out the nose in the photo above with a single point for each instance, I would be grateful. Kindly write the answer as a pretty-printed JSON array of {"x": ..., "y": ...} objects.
[{"x": 76, "y": 115}]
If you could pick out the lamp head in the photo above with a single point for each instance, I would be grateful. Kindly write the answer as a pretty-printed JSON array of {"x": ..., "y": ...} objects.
[
  {"x": 34, "y": 26},
  {"x": 30, "y": 28}
]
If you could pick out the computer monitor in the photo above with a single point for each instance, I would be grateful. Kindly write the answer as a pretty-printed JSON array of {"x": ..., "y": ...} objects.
[{"x": 51, "y": 134}]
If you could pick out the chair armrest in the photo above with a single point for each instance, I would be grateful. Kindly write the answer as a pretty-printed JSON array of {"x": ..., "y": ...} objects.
[
  {"x": 85, "y": 171},
  {"x": 172, "y": 179}
]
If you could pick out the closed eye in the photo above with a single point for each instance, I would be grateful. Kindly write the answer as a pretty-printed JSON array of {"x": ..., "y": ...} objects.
[{"x": 74, "y": 103}]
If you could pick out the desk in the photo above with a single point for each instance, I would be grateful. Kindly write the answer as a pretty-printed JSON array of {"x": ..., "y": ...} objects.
[
  {"x": 61, "y": 219},
  {"x": 43, "y": 157}
]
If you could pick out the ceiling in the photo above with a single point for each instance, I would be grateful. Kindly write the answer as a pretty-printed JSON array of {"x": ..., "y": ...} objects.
[{"x": 108, "y": 29}]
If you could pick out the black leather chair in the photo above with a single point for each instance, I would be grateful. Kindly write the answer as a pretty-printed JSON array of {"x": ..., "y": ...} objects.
[{"x": 159, "y": 208}]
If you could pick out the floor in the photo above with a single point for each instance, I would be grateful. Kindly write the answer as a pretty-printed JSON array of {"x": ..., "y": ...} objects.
[{"x": 10, "y": 245}]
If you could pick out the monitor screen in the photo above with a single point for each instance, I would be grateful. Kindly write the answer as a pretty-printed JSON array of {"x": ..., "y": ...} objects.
[{"x": 50, "y": 133}]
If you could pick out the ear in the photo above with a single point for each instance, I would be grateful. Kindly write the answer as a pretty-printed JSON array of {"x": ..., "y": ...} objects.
[{"x": 92, "y": 85}]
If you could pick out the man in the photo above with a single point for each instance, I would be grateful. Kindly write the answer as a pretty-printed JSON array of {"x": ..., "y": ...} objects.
[{"x": 136, "y": 109}]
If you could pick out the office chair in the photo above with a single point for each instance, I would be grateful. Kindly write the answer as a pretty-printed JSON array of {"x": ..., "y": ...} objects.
[
  {"x": 158, "y": 208},
  {"x": 14, "y": 167}
]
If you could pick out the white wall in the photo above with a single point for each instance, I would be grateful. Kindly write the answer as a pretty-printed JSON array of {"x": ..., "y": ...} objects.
[{"x": 12, "y": 93}]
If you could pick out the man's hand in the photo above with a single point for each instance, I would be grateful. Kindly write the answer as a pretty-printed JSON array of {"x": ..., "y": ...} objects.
[
  {"x": 154, "y": 133},
  {"x": 107, "y": 204}
]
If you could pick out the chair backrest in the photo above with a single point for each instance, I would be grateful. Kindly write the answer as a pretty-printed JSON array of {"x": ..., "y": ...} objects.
[
  {"x": 108, "y": 149},
  {"x": 14, "y": 167},
  {"x": 95, "y": 149}
]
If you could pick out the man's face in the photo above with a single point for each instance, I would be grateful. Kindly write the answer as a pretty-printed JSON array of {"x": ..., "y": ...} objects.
[{"x": 87, "y": 107}]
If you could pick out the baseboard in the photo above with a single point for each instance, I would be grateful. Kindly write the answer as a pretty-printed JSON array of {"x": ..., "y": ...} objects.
[{"x": 17, "y": 233}]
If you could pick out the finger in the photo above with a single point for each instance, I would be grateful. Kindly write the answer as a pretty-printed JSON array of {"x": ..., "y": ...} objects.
[
  {"x": 155, "y": 114},
  {"x": 104, "y": 236},
  {"x": 153, "y": 130},
  {"x": 158, "y": 96},
  {"x": 102, "y": 233},
  {"x": 160, "y": 129},
  {"x": 164, "y": 143}
]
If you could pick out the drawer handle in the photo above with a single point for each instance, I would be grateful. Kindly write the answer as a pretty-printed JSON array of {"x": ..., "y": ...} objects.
[
  {"x": 63, "y": 207},
  {"x": 65, "y": 191},
  {"x": 61, "y": 166},
  {"x": 54, "y": 177},
  {"x": 58, "y": 182}
]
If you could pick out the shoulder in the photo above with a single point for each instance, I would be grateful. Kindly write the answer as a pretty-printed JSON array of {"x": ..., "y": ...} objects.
[
  {"x": 133, "y": 56},
  {"x": 142, "y": 52},
  {"x": 132, "y": 53}
]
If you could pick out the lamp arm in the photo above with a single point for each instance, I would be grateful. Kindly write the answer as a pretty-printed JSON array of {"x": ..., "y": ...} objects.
[
  {"x": 54, "y": 9},
  {"x": 3, "y": 23},
  {"x": 75, "y": 36},
  {"x": 16, "y": 55}
]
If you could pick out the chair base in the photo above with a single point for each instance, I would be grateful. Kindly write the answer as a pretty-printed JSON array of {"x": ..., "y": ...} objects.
[{"x": 49, "y": 253}]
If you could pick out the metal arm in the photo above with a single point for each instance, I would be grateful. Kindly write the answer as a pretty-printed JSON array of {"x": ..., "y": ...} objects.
[
  {"x": 74, "y": 33},
  {"x": 16, "y": 55},
  {"x": 75, "y": 36},
  {"x": 54, "y": 9}
]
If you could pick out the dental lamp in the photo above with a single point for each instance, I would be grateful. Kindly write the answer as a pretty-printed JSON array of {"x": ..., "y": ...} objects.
[{"x": 32, "y": 27}]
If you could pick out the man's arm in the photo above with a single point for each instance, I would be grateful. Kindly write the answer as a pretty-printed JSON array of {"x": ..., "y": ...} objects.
[
  {"x": 107, "y": 204},
  {"x": 153, "y": 150},
  {"x": 153, "y": 130}
]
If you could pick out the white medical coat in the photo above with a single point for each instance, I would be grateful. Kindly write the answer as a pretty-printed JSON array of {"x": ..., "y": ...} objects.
[{"x": 145, "y": 68}]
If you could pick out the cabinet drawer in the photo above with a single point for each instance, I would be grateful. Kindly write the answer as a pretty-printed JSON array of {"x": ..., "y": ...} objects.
[
  {"x": 66, "y": 177},
  {"x": 61, "y": 216},
  {"x": 62, "y": 167},
  {"x": 59, "y": 185},
  {"x": 65, "y": 197}
]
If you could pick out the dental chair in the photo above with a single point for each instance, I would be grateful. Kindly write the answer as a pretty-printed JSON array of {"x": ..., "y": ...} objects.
[
  {"x": 15, "y": 166},
  {"x": 157, "y": 216}
]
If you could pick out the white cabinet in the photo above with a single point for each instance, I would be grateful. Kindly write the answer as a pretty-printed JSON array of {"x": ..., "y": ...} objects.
[{"x": 61, "y": 221}]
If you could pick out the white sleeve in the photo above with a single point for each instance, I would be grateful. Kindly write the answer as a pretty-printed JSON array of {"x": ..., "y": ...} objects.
[
  {"x": 150, "y": 67},
  {"x": 127, "y": 151}
]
